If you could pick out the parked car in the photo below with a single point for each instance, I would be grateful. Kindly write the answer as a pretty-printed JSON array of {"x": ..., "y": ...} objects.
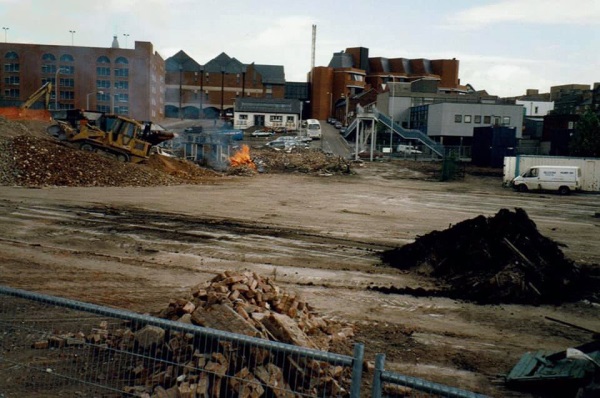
[
  {"x": 338, "y": 125},
  {"x": 343, "y": 130},
  {"x": 262, "y": 133}
]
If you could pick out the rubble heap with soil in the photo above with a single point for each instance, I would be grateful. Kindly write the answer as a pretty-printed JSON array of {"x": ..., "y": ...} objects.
[
  {"x": 243, "y": 303},
  {"x": 500, "y": 259},
  {"x": 300, "y": 160}
]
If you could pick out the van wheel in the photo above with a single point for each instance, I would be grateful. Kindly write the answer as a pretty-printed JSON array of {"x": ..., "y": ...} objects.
[
  {"x": 564, "y": 190},
  {"x": 523, "y": 188}
]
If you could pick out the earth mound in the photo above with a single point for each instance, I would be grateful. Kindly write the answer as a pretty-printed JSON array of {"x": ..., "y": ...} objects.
[{"x": 499, "y": 259}]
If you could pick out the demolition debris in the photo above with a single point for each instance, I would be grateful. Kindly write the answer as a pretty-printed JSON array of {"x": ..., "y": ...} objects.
[
  {"x": 500, "y": 259},
  {"x": 243, "y": 303}
]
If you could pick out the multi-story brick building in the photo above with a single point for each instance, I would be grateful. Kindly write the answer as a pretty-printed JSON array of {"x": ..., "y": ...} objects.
[
  {"x": 352, "y": 72},
  {"x": 118, "y": 80},
  {"x": 209, "y": 91}
]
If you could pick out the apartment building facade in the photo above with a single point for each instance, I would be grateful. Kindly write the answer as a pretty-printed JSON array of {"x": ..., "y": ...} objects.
[{"x": 116, "y": 80}]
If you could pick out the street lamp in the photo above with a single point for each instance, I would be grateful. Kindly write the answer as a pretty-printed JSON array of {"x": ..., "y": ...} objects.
[
  {"x": 126, "y": 37},
  {"x": 72, "y": 32},
  {"x": 180, "y": 92},
  {"x": 200, "y": 114},
  {"x": 87, "y": 98},
  {"x": 392, "y": 92},
  {"x": 56, "y": 87},
  {"x": 5, "y": 31}
]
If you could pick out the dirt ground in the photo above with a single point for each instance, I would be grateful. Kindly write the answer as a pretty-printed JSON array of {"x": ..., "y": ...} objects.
[
  {"x": 135, "y": 247},
  {"x": 320, "y": 236}
]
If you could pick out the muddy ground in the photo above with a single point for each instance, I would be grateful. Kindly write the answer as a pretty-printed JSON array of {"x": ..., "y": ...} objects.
[{"x": 317, "y": 235}]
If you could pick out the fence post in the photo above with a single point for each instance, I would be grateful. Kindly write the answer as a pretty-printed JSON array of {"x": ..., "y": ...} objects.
[
  {"x": 379, "y": 363},
  {"x": 357, "y": 365}
]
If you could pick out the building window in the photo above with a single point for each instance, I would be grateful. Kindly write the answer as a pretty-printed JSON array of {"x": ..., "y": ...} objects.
[
  {"x": 11, "y": 55},
  {"x": 506, "y": 121},
  {"x": 290, "y": 119},
  {"x": 103, "y": 97},
  {"x": 67, "y": 83},
  {"x": 67, "y": 95},
  {"x": 104, "y": 108},
  {"x": 102, "y": 83},
  {"x": 121, "y": 72},
  {"x": 102, "y": 71},
  {"x": 11, "y": 67},
  {"x": 477, "y": 118},
  {"x": 487, "y": 120},
  {"x": 121, "y": 60},
  {"x": 122, "y": 97},
  {"x": 48, "y": 57},
  {"x": 48, "y": 68},
  {"x": 457, "y": 118},
  {"x": 275, "y": 118},
  {"x": 122, "y": 85},
  {"x": 12, "y": 93},
  {"x": 496, "y": 120},
  {"x": 12, "y": 80},
  {"x": 243, "y": 116},
  {"x": 103, "y": 60},
  {"x": 67, "y": 70},
  {"x": 66, "y": 58},
  {"x": 467, "y": 118},
  {"x": 536, "y": 110}
]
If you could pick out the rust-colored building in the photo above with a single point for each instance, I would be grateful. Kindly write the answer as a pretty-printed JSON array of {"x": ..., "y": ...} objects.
[
  {"x": 209, "y": 91},
  {"x": 116, "y": 80},
  {"x": 352, "y": 72}
]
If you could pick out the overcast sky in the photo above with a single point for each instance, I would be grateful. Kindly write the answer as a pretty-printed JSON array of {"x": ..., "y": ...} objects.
[{"x": 504, "y": 46}]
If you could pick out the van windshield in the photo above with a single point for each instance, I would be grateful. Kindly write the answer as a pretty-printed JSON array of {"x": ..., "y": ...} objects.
[{"x": 531, "y": 173}]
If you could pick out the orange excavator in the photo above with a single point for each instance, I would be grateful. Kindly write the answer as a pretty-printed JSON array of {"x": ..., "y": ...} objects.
[{"x": 24, "y": 112}]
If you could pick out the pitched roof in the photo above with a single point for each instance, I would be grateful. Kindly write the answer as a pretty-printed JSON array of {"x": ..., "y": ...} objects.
[
  {"x": 181, "y": 59},
  {"x": 271, "y": 74},
  {"x": 341, "y": 60},
  {"x": 224, "y": 63}
]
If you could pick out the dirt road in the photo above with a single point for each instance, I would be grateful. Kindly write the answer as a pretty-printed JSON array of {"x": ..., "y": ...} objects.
[{"x": 319, "y": 236}]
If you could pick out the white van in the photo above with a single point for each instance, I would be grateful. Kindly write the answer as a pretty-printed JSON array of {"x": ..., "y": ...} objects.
[
  {"x": 563, "y": 179},
  {"x": 313, "y": 129},
  {"x": 408, "y": 149}
]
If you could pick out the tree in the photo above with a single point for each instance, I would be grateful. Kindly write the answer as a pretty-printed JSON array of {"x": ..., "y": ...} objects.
[{"x": 586, "y": 138}]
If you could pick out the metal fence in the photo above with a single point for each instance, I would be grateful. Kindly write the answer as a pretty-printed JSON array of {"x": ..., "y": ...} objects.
[
  {"x": 55, "y": 347},
  {"x": 389, "y": 384}
]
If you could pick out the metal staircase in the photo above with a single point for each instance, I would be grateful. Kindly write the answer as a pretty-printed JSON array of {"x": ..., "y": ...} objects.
[{"x": 407, "y": 134}]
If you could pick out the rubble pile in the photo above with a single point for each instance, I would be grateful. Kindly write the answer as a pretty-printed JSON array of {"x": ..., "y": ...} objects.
[
  {"x": 302, "y": 161},
  {"x": 500, "y": 259},
  {"x": 180, "y": 168},
  {"x": 249, "y": 304},
  {"x": 243, "y": 303},
  {"x": 32, "y": 161}
]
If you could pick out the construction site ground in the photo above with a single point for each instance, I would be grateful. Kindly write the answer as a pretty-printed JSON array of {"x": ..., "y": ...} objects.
[{"x": 317, "y": 235}]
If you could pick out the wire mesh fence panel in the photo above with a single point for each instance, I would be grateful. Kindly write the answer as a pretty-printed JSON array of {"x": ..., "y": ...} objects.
[
  {"x": 394, "y": 385},
  {"x": 53, "y": 347}
]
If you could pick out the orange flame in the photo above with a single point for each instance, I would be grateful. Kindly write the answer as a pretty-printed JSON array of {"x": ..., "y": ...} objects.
[{"x": 242, "y": 158}]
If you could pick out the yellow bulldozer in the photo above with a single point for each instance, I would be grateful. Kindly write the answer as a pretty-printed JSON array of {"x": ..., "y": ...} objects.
[{"x": 125, "y": 139}]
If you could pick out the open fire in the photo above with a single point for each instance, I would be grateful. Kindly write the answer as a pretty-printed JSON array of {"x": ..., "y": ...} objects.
[{"x": 242, "y": 158}]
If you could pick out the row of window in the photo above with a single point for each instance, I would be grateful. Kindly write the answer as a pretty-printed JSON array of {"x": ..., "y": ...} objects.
[
  {"x": 119, "y": 85},
  {"x": 497, "y": 120},
  {"x": 68, "y": 58},
  {"x": 272, "y": 118},
  {"x": 105, "y": 71}
]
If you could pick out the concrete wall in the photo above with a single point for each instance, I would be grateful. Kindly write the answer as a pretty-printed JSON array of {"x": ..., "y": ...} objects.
[{"x": 441, "y": 118}]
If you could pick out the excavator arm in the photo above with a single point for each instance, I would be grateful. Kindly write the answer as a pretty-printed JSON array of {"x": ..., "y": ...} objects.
[{"x": 43, "y": 91}]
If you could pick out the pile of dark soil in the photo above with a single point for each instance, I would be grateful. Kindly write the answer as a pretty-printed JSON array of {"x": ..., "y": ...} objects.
[{"x": 499, "y": 259}]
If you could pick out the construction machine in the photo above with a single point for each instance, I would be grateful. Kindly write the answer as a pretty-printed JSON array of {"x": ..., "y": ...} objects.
[
  {"x": 23, "y": 112},
  {"x": 125, "y": 139}
]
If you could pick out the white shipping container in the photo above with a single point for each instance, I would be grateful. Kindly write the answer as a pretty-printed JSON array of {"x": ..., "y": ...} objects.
[{"x": 590, "y": 168}]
